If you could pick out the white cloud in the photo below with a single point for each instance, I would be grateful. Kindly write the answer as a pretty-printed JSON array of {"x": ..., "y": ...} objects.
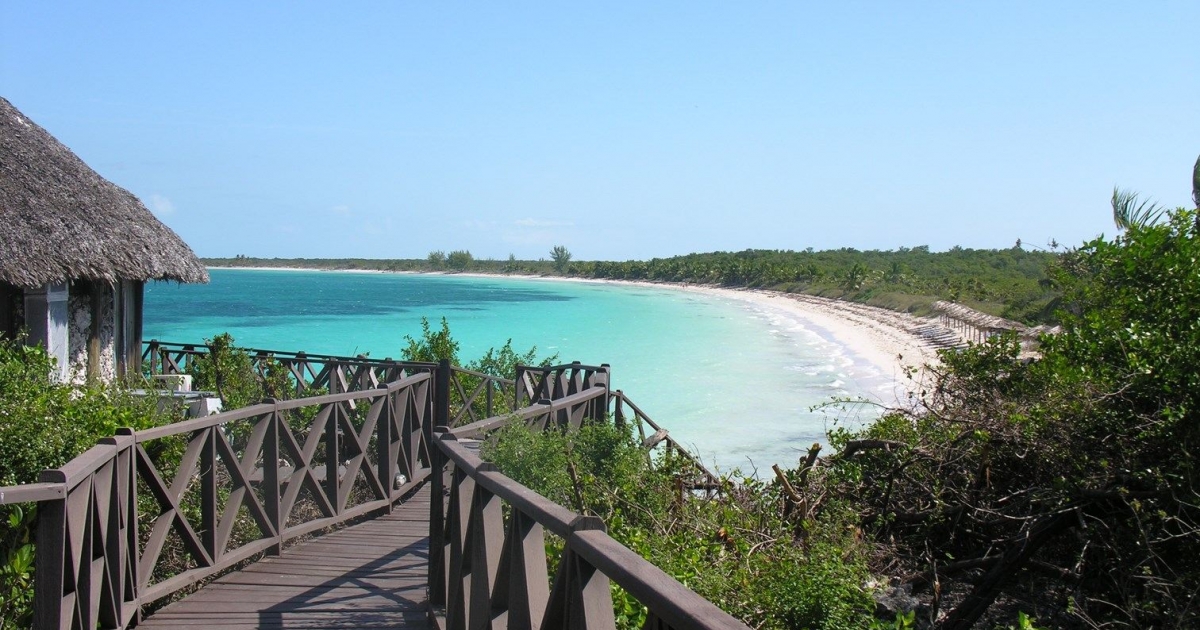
[
  {"x": 161, "y": 206},
  {"x": 342, "y": 210},
  {"x": 538, "y": 223}
]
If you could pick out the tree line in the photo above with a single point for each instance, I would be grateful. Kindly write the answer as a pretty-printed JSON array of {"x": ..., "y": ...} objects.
[{"x": 1012, "y": 283}]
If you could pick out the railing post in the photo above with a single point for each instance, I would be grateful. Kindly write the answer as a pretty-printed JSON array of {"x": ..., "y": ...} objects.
[
  {"x": 126, "y": 460},
  {"x": 486, "y": 533},
  {"x": 518, "y": 381},
  {"x": 441, "y": 394},
  {"x": 300, "y": 369},
  {"x": 51, "y": 557},
  {"x": 581, "y": 597},
  {"x": 600, "y": 409},
  {"x": 383, "y": 445},
  {"x": 153, "y": 352},
  {"x": 619, "y": 410},
  {"x": 333, "y": 458},
  {"x": 437, "y": 519},
  {"x": 208, "y": 493},
  {"x": 270, "y": 469}
]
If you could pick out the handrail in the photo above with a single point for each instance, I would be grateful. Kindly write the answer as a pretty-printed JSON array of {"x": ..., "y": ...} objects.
[
  {"x": 225, "y": 488},
  {"x": 486, "y": 571},
  {"x": 246, "y": 481},
  {"x": 537, "y": 383},
  {"x": 473, "y": 393},
  {"x": 334, "y": 374},
  {"x": 32, "y": 493},
  {"x": 201, "y": 349},
  {"x": 568, "y": 410},
  {"x": 708, "y": 480}
]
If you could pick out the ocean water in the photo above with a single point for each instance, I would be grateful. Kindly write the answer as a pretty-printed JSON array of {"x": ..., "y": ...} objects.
[{"x": 734, "y": 380}]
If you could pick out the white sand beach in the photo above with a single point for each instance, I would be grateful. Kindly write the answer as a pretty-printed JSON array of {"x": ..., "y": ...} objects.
[{"x": 886, "y": 339}]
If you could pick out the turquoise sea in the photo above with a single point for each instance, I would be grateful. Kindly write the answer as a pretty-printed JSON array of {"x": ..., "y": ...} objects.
[{"x": 733, "y": 379}]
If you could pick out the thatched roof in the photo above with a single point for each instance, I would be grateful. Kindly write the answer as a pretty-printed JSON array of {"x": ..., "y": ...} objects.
[
  {"x": 59, "y": 220},
  {"x": 976, "y": 318}
]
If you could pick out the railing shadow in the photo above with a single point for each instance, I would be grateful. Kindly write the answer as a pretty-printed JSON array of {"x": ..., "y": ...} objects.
[{"x": 352, "y": 599}]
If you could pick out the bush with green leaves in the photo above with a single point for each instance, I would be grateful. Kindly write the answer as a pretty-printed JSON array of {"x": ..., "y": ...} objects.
[
  {"x": 230, "y": 372},
  {"x": 459, "y": 260},
  {"x": 743, "y": 550},
  {"x": 16, "y": 568},
  {"x": 1069, "y": 481},
  {"x": 43, "y": 425},
  {"x": 437, "y": 344},
  {"x": 433, "y": 345}
]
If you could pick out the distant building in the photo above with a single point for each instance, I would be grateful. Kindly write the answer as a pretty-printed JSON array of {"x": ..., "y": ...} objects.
[{"x": 75, "y": 253}]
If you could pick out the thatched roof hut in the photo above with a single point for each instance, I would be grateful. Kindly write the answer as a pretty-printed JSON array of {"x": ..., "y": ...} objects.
[
  {"x": 75, "y": 252},
  {"x": 977, "y": 319},
  {"x": 975, "y": 326},
  {"x": 60, "y": 221}
]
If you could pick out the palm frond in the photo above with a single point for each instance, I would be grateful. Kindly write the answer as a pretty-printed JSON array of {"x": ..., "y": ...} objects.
[
  {"x": 1196, "y": 183},
  {"x": 1129, "y": 211}
]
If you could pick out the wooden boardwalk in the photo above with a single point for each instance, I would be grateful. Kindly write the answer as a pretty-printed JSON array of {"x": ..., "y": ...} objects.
[{"x": 370, "y": 575}]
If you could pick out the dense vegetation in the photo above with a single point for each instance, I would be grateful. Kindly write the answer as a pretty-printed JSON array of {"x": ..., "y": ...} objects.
[
  {"x": 1065, "y": 488},
  {"x": 1068, "y": 484},
  {"x": 43, "y": 424},
  {"x": 1010, "y": 283},
  {"x": 740, "y": 549}
]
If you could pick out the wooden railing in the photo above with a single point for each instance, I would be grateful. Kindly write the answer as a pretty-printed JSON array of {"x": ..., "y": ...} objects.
[
  {"x": 474, "y": 395},
  {"x": 536, "y": 383},
  {"x": 147, "y": 513},
  {"x": 308, "y": 372},
  {"x": 704, "y": 478},
  {"x": 489, "y": 569}
]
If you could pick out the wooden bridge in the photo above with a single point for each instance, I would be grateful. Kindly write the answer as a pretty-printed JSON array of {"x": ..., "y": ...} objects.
[{"x": 358, "y": 502}]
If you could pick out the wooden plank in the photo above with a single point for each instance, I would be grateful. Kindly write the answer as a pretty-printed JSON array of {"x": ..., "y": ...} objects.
[
  {"x": 311, "y": 620},
  {"x": 371, "y": 575},
  {"x": 309, "y": 579},
  {"x": 286, "y": 599}
]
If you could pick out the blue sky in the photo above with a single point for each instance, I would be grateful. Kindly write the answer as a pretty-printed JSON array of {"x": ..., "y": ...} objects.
[{"x": 621, "y": 130}]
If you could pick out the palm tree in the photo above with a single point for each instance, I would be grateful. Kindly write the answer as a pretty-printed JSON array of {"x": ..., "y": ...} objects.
[
  {"x": 561, "y": 257},
  {"x": 1196, "y": 183},
  {"x": 1128, "y": 211}
]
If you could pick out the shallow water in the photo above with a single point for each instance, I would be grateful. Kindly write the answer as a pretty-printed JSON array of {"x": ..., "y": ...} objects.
[{"x": 732, "y": 379}]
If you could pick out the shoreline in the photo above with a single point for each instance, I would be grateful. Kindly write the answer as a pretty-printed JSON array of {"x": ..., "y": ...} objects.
[{"x": 880, "y": 337}]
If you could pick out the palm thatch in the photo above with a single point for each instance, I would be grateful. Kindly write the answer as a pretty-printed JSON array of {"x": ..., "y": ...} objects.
[
  {"x": 1196, "y": 183},
  {"x": 59, "y": 220},
  {"x": 978, "y": 319}
]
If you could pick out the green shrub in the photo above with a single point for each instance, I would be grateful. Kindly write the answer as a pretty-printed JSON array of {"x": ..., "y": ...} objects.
[
  {"x": 44, "y": 424},
  {"x": 435, "y": 345},
  {"x": 230, "y": 372},
  {"x": 432, "y": 346},
  {"x": 16, "y": 569},
  {"x": 740, "y": 550},
  {"x": 1083, "y": 459}
]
